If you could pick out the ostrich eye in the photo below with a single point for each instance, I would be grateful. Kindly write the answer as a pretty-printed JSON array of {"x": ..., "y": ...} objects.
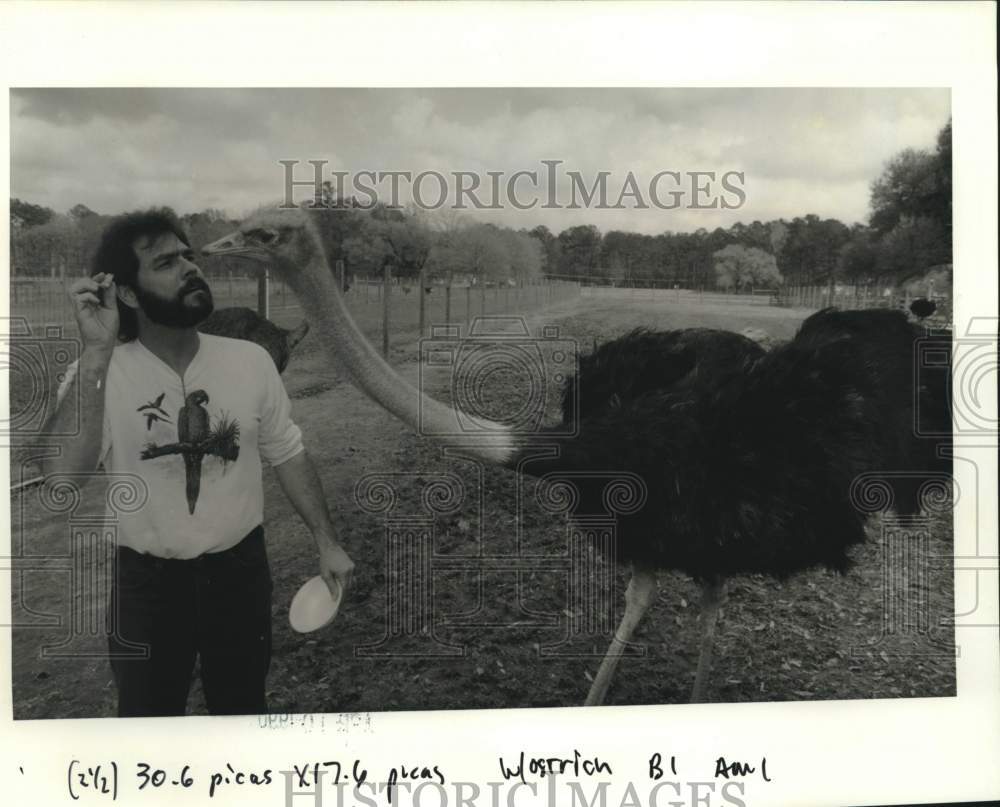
[{"x": 264, "y": 236}]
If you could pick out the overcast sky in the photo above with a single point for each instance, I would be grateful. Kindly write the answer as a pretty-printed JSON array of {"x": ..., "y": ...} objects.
[{"x": 801, "y": 151}]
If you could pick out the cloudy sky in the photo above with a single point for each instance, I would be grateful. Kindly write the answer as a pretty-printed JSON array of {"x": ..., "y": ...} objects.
[{"x": 801, "y": 151}]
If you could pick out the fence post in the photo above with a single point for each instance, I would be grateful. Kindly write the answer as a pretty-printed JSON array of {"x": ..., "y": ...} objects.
[
  {"x": 340, "y": 276},
  {"x": 482, "y": 296},
  {"x": 420, "y": 290},
  {"x": 468, "y": 304},
  {"x": 386, "y": 281},
  {"x": 447, "y": 303}
]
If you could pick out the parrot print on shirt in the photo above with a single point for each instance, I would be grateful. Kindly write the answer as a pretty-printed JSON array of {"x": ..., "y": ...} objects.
[{"x": 196, "y": 439}]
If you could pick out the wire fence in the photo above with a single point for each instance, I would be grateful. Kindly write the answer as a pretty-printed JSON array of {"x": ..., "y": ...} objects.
[
  {"x": 678, "y": 295},
  {"x": 858, "y": 297},
  {"x": 45, "y": 302},
  {"x": 385, "y": 308},
  {"x": 813, "y": 297}
]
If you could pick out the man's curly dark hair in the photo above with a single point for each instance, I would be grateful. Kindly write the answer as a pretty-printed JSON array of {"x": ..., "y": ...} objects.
[{"x": 116, "y": 254}]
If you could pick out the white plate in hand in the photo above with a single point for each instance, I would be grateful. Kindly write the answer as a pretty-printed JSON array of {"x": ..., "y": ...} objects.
[{"x": 313, "y": 607}]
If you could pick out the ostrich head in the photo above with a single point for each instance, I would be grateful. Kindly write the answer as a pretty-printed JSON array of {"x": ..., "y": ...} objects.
[
  {"x": 288, "y": 242},
  {"x": 284, "y": 239}
]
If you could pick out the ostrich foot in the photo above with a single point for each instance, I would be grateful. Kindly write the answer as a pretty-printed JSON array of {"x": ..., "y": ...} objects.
[
  {"x": 713, "y": 595},
  {"x": 640, "y": 594}
]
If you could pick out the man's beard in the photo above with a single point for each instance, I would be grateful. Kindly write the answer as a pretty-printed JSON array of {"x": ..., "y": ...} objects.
[{"x": 176, "y": 313}]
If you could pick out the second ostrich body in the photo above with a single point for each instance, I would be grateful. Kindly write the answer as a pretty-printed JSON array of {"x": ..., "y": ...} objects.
[
  {"x": 749, "y": 456},
  {"x": 247, "y": 324}
]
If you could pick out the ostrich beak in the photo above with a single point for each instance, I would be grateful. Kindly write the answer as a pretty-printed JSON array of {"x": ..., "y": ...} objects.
[{"x": 232, "y": 244}]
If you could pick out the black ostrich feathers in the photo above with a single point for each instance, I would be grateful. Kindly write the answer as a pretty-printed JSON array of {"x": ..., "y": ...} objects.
[
  {"x": 749, "y": 457},
  {"x": 643, "y": 362},
  {"x": 247, "y": 324}
]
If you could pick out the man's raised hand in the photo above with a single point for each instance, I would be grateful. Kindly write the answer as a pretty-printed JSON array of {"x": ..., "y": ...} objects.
[{"x": 96, "y": 310}]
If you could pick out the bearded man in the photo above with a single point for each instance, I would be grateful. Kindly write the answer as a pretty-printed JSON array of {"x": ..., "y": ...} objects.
[{"x": 191, "y": 418}]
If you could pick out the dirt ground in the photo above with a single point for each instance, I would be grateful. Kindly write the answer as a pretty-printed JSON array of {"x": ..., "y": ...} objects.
[{"x": 492, "y": 632}]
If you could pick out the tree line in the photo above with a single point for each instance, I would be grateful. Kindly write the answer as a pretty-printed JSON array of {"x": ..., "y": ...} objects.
[
  {"x": 409, "y": 242},
  {"x": 908, "y": 234}
]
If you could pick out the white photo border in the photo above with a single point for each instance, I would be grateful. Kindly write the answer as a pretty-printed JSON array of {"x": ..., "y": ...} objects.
[{"x": 837, "y": 752}]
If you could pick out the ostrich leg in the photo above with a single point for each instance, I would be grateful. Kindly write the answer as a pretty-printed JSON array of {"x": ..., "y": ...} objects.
[
  {"x": 640, "y": 594},
  {"x": 713, "y": 595}
]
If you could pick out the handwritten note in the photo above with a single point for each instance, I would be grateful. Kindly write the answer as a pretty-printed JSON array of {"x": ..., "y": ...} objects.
[{"x": 585, "y": 775}]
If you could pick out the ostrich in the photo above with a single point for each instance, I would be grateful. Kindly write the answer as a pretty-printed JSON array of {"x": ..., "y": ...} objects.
[
  {"x": 247, "y": 324},
  {"x": 751, "y": 455}
]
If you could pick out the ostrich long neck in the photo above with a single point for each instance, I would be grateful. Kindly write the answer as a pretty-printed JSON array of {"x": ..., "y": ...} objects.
[{"x": 325, "y": 307}]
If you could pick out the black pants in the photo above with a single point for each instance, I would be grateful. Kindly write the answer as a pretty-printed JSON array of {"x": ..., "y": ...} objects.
[{"x": 165, "y": 613}]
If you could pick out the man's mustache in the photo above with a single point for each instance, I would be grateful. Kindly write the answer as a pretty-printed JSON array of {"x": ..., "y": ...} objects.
[{"x": 195, "y": 284}]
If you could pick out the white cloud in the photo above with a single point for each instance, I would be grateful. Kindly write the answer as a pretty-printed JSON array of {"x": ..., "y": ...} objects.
[{"x": 802, "y": 151}]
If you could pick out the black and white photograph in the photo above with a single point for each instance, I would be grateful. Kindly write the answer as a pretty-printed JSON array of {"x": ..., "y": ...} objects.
[
  {"x": 685, "y": 431},
  {"x": 334, "y": 404}
]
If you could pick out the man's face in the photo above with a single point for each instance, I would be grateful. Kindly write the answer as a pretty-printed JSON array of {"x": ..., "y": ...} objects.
[{"x": 169, "y": 286}]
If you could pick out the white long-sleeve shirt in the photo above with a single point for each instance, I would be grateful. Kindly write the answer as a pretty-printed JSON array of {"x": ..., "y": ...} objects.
[{"x": 145, "y": 400}]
